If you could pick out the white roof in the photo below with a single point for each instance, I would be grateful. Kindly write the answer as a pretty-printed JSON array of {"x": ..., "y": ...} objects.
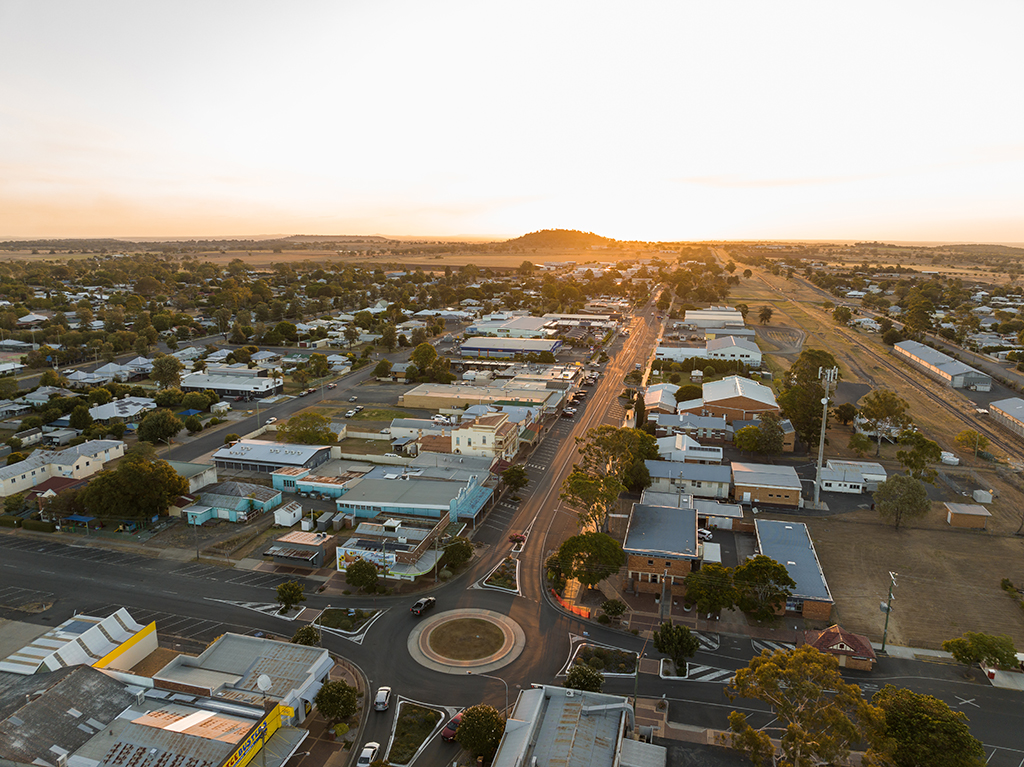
[
  {"x": 268, "y": 452},
  {"x": 738, "y": 386},
  {"x": 765, "y": 475},
  {"x": 728, "y": 342}
]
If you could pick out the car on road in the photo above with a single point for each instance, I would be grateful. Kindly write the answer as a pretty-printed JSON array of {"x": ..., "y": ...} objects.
[
  {"x": 383, "y": 699},
  {"x": 359, "y": 408},
  {"x": 448, "y": 733},
  {"x": 304, "y": 392},
  {"x": 704, "y": 535},
  {"x": 270, "y": 420},
  {"x": 638, "y": 366},
  {"x": 368, "y": 754},
  {"x": 310, "y": 390},
  {"x": 353, "y": 398},
  {"x": 422, "y": 605},
  {"x": 332, "y": 386},
  {"x": 350, "y": 413}
]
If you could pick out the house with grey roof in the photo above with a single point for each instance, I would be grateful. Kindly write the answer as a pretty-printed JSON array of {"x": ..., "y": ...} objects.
[
  {"x": 703, "y": 480},
  {"x": 76, "y": 462}
]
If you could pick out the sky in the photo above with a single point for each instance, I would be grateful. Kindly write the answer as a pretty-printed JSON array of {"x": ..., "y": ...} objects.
[{"x": 723, "y": 119}]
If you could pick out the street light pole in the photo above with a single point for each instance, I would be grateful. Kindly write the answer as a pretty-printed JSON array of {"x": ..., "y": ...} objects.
[
  {"x": 827, "y": 378},
  {"x": 480, "y": 673},
  {"x": 887, "y": 608}
]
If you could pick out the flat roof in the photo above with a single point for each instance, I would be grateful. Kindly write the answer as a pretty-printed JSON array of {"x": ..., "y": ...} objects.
[
  {"x": 533, "y": 344},
  {"x": 693, "y": 472},
  {"x": 413, "y": 493},
  {"x": 971, "y": 509},
  {"x": 662, "y": 530},
  {"x": 268, "y": 452},
  {"x": 789, "y": 544}
]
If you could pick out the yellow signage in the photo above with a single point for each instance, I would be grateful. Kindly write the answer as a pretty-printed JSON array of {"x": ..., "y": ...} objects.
[{"x": 256, "y": 739}]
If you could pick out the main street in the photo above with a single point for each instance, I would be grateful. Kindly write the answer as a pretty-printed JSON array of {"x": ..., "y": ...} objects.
[{"x": 193, "y": 603}]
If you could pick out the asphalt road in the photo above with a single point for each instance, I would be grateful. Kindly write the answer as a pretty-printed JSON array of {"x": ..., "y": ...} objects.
[{"x": 195, "y": 602}]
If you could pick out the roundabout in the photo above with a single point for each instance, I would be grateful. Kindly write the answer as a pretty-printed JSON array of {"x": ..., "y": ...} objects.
[{"x": 459, "y": 641}]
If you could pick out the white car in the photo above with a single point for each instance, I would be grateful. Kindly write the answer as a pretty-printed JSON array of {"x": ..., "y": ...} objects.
[
  {"x": 383, "y": 699},
  {"x": 350, "y": 413},
  {"x": 270, "y": 420},
  {"x": 704, "y": 535},
  {"x": 368, "y": 754}
]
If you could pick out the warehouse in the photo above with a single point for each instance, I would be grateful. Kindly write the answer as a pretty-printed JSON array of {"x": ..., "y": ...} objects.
[
  {"x": 1009, "y": 413},
  {"x": 953, "y": 373},
  {"x": 268, "y": 457},
  {"x": 506, "y": 348}
]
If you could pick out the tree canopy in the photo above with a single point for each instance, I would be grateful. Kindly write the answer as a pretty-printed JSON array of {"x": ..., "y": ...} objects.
[
  {"x": 678, "y": 643},
  {"x": 711, "y": 588},
  {"x": 167, "y": 371},
  {"x": 336, "y": 700},
  {"x": 590, "y": 557},
  {"x": 362, "y": 574},
  {"x": 290, "y": 594},
  {"x": 901, "y": 498},
  {"x": 139, "y": 488},
  {"x": 762, "y": 586},
  {"x": 884, "y": 409},
  {"x": 926, "y": 731},
  {"x": 159, "y": 425},
  {"x": 480, "y": 730},
  {"x": 307, "y": 429},
  {"x": 916, "y": 455},
  {"x": 582, "y": 677}
]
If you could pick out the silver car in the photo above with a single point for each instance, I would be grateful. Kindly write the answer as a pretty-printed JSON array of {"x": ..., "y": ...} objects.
[{"x": 383, "y": 699}]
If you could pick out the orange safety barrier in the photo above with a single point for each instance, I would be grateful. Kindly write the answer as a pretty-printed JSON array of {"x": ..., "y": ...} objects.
[{"x": 583, "y": 612}]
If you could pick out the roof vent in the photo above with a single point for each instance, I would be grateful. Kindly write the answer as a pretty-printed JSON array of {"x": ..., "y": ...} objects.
[{"x": 570, "y": 693}]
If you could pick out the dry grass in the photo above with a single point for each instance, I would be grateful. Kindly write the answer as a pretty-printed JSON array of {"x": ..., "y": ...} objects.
[{"x": 466, "y": 639}]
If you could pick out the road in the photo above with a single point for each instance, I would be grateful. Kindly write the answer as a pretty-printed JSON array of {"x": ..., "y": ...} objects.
[{"x": 195, "y": 602}]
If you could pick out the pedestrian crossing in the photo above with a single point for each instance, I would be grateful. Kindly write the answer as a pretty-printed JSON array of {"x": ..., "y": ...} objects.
[
  {"x": 267, "y": 608},
  {"x": 698, "y": 673},
  {"x": 708, "y": 642},
  {"x": 760, "y": 645}
]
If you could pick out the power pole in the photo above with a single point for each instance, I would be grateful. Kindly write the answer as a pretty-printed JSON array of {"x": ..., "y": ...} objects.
[
  {"x": 828, "y": 378},
  {"x": 886, "y": 607}
]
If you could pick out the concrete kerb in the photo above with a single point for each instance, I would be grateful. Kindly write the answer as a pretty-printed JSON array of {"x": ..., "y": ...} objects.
[{"x": 514, "y": 642}]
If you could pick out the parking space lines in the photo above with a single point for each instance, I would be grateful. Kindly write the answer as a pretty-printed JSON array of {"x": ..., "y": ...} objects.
[{"x": 13, "y": 597}]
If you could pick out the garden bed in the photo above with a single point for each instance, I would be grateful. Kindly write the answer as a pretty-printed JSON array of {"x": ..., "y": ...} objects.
[
  {"x": 505, "y": 576},
  {"x": 412, "y": 728},
  {"x": 346, "y": 620},
  {"x": 610, "y": 661}
]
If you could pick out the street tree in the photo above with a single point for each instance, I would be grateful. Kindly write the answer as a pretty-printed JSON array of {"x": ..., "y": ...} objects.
[
  {"x": 762, "y": 587},
  {"x": 336, "y": 700},
  {"x": 515, "y": 478},
  {"x": 900, "y": 499},
  {"x": 362, "y": 574},
  {"x": 678, "y": 643},
  {"x": 818, "y": 717},
  {"x": 926, "y": 731},
  {"x": 974, "y": 647},
  {"x": 139, "y": 488},
  {"x": 457, "y": 553},
  {"x": 383, "y": 369},
  {"x": 480, "y": 730},
  {"x": 969, "y": 439},
  {"x": 620, "y": 452},
  {"x": 290, "y": 594},
  {"x": 591, "y": 495},
  {"x": 917, "y": 454},
  {"x": 765, "y": 315},
  {"x": 307, "y": 429},
  {"x": 167, "y": 371},
  {"x": 307, "y": 635},
  {"x": 884, "y": 409},
  {"x": 389, "y": 337},
  {"x": 159, "y": 425},
  {"x": 711, "y": 588},
  {"x": 194, "y": 424},
  {"x": 423, "y": 356},
  {"x": 591, "y": 557},
  {"x": 613, "y": 608},
  {"x": 582, "y": 677}
]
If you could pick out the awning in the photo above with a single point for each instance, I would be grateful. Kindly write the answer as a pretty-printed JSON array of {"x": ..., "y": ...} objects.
[{"x": 79, "y": 518}]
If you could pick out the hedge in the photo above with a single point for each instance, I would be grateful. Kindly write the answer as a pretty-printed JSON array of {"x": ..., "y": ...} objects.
[
  {"x": 7, "y": 520},
  {"x": 39, "y": 525}
]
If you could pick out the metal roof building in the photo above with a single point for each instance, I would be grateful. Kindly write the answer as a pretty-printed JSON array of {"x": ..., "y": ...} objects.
[
  {"x": 268, "y": 457},
  {"x": 1009, "y": 413},
  {"x": 789, "y": 544},
  {"x": 952, "y": 372},
  {"x": 507, "y": 347}
]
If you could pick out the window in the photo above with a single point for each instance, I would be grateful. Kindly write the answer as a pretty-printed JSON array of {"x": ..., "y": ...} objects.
[
  {"x": 289, "y": 483},
  {"x": 650, "y": 561},
  {"x": 668, "y": 564}
]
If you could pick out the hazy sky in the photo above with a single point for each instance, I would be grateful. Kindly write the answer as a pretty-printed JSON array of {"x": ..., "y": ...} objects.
[{"x": 647, "y": 120}]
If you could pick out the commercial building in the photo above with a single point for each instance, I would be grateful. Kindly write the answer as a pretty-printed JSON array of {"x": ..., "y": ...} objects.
[
  {"x": 446, "y": 396},
  {"x": 507, "y": 348},
  {"x": 759, "y": 483},
  {"x": 789, "y": 544},
  {"x": 512, "y": 327},
  {"x": 700, "y": 427},
  {"x": 735, "y": 397},
  {"x": 403, "y": 550},
  {"x": 1009, "y": 414},
  {"x": 714, "y": 317},
  {"x": 410, "y": 497},
  {"x": 707, "y": 481},
  {"x": 552, "y": 725},
  {"x": 232, "y": 501},
  {"x": 305, "y": 549},
  {"x": 952, "y": 372},
  {"x": 492, "y": 435},
  {"x": 726, "y": 347},
  {"x": 679, "y": 447},
  {"x": 234, "y": 384},
  {"x": 268, "y": 457},
  {"x": 661, "y": 548}
]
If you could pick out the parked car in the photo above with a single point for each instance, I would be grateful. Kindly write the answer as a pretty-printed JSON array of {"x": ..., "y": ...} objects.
[
  {"x": 392, "y": 455},
  {"x": 383, "y": 699},
  {"x": 385, "y": 430},
  {"x": 304, "y": 392},
  {"x": 368, "y": 754},
  {"x": 422, "y": 605},
  {"x": 704, "y": 535},
  {"x": 448, "y": 733},
  {"x": 359, "y": 408}
]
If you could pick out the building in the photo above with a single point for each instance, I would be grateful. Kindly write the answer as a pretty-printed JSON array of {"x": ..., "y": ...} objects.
[
  {"x": 233, "y": 501},
  {"x": 680, "y": 447},
  {"x": 507, "y": 348},
  {"x": 400, "y": 550},
  {"x": 714, "y": 317},
  {"x": 513, "y": 327},
  {"x": 126, "y": 409},
  {"x": 789, "y": 544},
  {"x": 1009, "y": 414},
  {"x": 76, "y": 462},
  {"x": 707, "y": 481},
  {"x": 734, "y": 348},
  {"x": 234, "y": 383},
  {"x": 115, "y": 642},
  {"x": 853, "y": 651},
  {"x": 492, "y": 435},
  {"x": 305, "y": 549},
  {"x": 788, "y": 432},
  {"x": 871, "y": 474},
  {"x": 268, "y": 457},
  {"x": 760, "y": 483},
  {"x": 734, "y": 397},
  {"x": 197, "y": 475},
  {"x": 952, "y": 372},
  {"x": 552, "y": 725},
  {"x": 459, "y": 396},
  {"x": 411, "y": 497},
  {"x": 842, "y": 480},
  {"x": 661, "y": 548},
  {"x": 967, "y": 515},
  {"x": 660, "y": 400},
  {"x": 699, "y": 427}
]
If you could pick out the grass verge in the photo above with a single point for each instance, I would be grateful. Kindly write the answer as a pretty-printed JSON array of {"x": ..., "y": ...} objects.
[{"x": 415, "y": 723}]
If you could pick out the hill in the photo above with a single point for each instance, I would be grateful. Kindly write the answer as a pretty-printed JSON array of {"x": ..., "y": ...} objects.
[{"x": 559, "y": 238}]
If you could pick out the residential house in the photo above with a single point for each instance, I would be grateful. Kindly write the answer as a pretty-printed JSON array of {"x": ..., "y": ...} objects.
[
  {"x": 853, "y": 651},
  {"x": 76, "y": 462},
  {"x": 127, "y": 410}
]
